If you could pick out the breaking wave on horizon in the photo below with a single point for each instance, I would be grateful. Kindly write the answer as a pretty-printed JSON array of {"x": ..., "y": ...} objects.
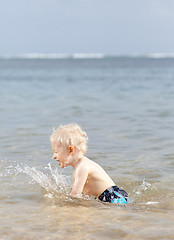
[{"x": 83, "y": 56}]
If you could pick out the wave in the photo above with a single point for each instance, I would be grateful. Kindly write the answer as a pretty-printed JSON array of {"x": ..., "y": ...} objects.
[
  {"x": 155, "y": 55},
  {"x": 35, "y": 56},
  {"x": 88, "y": 55},
  {"x": 54, "y": 56},
  {"x": 84, "y": 56}
]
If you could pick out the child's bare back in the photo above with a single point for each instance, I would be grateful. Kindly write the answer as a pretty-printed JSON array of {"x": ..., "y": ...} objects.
[
  {"x": 69, "y": 144},
  {"x": 96, "y": 179}
]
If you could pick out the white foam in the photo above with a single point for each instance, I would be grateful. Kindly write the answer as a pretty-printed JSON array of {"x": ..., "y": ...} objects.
[
  {"x": 87, "y": 55},
  {"x": 45, "y": 56},
  {"x": 84, "y": 56},
  {"x": 151, "y": 203},
  {"x": 36, "y": 56},
  {"x": 53, "y": 56},
  {"x": 160, "y": 55},
  {"x": 150, "y": 55}
]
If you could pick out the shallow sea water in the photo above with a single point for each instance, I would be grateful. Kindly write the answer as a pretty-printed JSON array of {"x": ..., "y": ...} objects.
[{"x": 126, "y": 106}]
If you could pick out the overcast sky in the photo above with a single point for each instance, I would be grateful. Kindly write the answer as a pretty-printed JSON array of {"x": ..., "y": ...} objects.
[{"x": 86, "y": 26}]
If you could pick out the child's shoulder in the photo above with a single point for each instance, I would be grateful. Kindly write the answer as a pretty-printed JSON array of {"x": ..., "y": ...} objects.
[
  {"x": 84, "y": 163},
  {"x": 88, "y": 164},
  {"x": 83, "y": 167}
]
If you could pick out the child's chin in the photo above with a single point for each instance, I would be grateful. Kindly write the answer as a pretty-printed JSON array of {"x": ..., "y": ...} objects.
[{"x": 62, "y": 165}]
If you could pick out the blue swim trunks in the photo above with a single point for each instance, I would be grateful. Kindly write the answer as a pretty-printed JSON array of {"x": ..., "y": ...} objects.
[{"x": 114, "y": 195}]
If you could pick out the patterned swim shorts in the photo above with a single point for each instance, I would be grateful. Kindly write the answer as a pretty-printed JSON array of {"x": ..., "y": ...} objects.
[{"x": 114, "y": 195}]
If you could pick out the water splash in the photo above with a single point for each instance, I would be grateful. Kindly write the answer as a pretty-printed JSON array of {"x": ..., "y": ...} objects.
[
  {"x": 143, "y": 187},
  {"x": 146, "y": 194},
  {"x": 54, "y": 182},
  {"x": 56, "y": 186}
]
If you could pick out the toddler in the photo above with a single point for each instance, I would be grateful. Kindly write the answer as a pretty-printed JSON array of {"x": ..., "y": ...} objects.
[{"x": 69, "y": 145}]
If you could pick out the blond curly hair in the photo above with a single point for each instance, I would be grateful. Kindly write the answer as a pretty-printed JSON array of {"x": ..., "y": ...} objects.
[{"x": 70, "y": 135}]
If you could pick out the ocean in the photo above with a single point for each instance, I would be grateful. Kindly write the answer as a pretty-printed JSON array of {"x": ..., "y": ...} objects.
[{"x": 126, "y": 106}]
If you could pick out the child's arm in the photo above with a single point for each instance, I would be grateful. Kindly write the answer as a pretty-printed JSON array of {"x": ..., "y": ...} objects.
[{"x": 80, "y": 177}]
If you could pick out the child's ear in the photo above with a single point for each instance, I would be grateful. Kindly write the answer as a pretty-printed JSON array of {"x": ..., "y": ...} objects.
[{"x": 71, "y": 149}]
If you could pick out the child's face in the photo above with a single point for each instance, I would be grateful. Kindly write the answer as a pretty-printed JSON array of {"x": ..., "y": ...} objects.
[{"x": 61, "y": 154}]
